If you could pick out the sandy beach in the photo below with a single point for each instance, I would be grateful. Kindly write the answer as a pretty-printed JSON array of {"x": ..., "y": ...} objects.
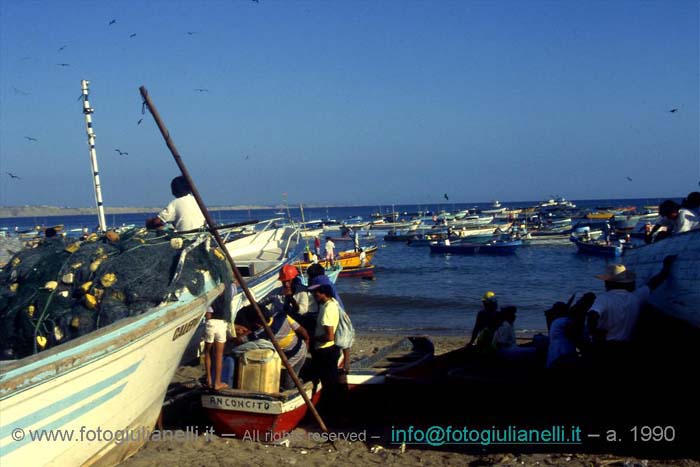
[{"x": 212, "y": 450}]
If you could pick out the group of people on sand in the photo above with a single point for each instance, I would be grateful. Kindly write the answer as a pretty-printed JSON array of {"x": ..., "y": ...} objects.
[
  {"x": 676, "y": 218},
  {"x": 596, "y": 330}
]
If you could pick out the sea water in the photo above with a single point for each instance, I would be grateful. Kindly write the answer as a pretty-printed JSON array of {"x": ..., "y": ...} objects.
[{"x": 419, "y": 292}]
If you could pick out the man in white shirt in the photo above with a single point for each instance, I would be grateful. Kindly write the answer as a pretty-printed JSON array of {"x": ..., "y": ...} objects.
[
  {"x": 182, "y": 212},
  {"x": 614, "y": 314},
  {"x": 325, "y": 353},
  {"x": 330, "y": 251}
]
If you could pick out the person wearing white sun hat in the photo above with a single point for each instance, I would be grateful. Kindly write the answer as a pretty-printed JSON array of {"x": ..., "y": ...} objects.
[{"x": 614, "y": 314}]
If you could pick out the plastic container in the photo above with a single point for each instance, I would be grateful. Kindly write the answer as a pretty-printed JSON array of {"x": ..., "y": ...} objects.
[{"x": 259, "y": 371}]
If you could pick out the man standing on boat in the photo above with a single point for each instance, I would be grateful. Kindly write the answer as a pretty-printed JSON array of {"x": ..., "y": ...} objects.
[
  {"x": 182, "y": 212},
  {"x": 330, "y": 251}
]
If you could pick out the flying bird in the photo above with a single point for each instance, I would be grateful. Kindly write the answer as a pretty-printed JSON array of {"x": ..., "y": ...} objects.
[
  {"x": 122, "y": 153},
  {"x": 13, "y": 175},
  {"x": 29, "y": 138},
  {"x": 62, "y": 47},
  {"x": 247, "y": 157},
  {"x": 112, "y": 22},
  {"x": 20, "y": 92},
  {"x": 191, "y": 33},
  {"x": 132, "y": 35},
  {"x": 139, "y": 122},
  {"x": 201, "y": 90},
  {"x": 673, "y": 111},
  {"x": 446, "y": 197},
  {"x": 629, "y": 178},
  {"x": 63, "y": 64}
]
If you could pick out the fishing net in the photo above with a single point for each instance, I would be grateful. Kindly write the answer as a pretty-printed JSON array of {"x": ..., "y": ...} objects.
[{"x": 61, "y": 290}]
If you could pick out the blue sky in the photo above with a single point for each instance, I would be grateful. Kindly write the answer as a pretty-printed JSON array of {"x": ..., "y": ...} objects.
[{"x": 360, "y": 102}]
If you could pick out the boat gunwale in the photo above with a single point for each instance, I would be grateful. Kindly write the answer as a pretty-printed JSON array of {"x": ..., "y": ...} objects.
[{"x": 59, "y": 360}]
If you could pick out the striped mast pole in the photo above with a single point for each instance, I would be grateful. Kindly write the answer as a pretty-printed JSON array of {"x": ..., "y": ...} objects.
[{"x": 87, "y": 111}]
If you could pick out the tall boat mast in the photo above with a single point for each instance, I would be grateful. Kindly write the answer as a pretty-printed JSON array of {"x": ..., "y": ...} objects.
[{"x": 87, "y": 111}]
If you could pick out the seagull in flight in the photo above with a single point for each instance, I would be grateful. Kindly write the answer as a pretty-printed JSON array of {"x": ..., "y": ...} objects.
[
  {"x": 247, "y": 157},
  {"x": 122, "y": 153},
  {"x": 131, "y": 36},
  {"x": 201, "y": 90},
  {"x": 20, "y": 92},
  {"x": 446, "y": 197},
  {"x": 191, "y": 33},
  {"x": 13, "y": 175},
  {"x": 29, "y": 138},
  {"x": 629, "y": 178},
  {"x": 139, "y": 122},
  {"x": 112, "y": 22},
  {"x": 62, "y": 47},
  {"x": 63, "y": 64},
  {"x": 673, "y": 111}
]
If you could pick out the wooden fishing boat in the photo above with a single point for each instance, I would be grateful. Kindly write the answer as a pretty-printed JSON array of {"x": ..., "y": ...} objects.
[
  {"x": 257, "y": 416},
  {"x": 113, "y": 379},
  {"x": 346, "y": 259},
  {"x": 600, "y": 248},
  {"x": 397, "y": 357},
  {"x": 492, "y": 248},
  {"x": 363, "y": 271}
]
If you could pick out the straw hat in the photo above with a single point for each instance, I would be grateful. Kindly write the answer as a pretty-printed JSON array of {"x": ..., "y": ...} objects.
[{"x": 617, "y": 273}]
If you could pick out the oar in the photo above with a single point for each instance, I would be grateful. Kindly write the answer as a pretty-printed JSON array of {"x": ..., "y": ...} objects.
[{"x": 178, "y": 160}]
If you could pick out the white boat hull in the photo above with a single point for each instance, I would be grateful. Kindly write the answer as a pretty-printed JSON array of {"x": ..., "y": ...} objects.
[
  {"x": 679, "y": 296},
  {"x": 112, "y": 380}
]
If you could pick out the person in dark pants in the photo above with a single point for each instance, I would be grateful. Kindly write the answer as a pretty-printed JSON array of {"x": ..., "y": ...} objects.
[{"x": 325, "y": 354}]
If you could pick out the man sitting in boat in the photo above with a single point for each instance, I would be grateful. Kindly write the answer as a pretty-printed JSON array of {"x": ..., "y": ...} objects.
[
  {"x": 290, "y": 335},
  {"x": 182, "y": 212},
  {"x": 613, "y": 317},
  {"x": 486, "y": 318},
  {"x": 291, "y": 297}
]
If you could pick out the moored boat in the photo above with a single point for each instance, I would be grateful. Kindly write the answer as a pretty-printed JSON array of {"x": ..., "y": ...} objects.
[
  {"x": 362, "y": 271},
  {"x": 397, "y": 357},
  {"x": 600, "y": 248},
  {"x": 346, "y": 259},
  {"x": 462, "y": 248}
]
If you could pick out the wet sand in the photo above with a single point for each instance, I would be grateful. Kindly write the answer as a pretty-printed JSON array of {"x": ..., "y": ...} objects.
[{"x": 215, "y": 451}]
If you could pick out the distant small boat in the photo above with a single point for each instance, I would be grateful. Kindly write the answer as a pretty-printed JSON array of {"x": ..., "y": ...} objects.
[
  {"x": 598, "y": 248},
  {"x": 492, "y": 248},
  {"x": 364, "y": 271},
  {"x": 346, "y": 259}
]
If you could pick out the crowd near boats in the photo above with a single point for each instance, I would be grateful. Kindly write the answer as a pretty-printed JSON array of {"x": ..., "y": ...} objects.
[
  {"x": 97, "y": 376},
  {"x": 94, "y": 324}
]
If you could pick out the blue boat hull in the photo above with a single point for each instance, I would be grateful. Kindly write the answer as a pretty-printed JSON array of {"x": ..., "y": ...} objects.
[{"x": 600, "y": 250}]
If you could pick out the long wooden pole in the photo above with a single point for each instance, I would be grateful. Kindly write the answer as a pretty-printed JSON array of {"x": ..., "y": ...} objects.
[{"x": 178, "y": 160}]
